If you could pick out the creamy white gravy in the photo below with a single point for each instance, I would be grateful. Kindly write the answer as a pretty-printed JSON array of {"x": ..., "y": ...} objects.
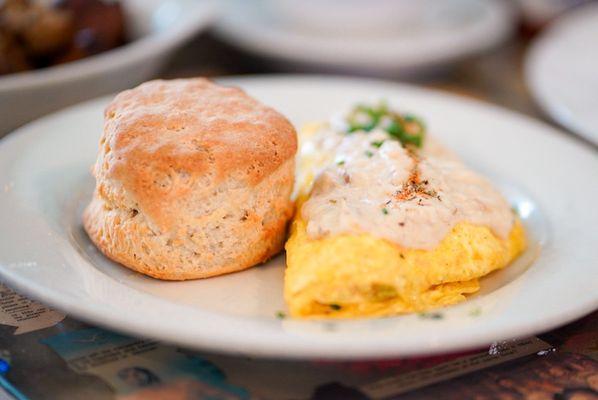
[{"x": 410, "y": 199}]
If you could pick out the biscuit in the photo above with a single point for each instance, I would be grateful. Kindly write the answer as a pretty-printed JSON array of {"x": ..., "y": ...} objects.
[{"x": 192, "y": 180}]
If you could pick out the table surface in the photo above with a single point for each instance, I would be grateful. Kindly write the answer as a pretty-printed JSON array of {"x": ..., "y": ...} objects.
[{"x": 73, "y": 360}]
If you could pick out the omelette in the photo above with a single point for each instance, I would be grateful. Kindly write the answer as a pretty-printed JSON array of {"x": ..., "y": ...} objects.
[{"x": 389, "y": 221}]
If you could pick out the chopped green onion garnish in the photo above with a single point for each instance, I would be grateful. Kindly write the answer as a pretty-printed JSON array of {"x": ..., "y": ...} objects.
[
  {"x": 432, "y": 315},
  {"x": 395, "y": 129},
  {"x": 406, "y": 128},
  {"x": 280, "y": 315},
  {"x": 476, "y": 312}
]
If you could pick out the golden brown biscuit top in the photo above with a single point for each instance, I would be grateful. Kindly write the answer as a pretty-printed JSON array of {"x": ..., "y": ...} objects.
[{"x": 162, "y": 134}]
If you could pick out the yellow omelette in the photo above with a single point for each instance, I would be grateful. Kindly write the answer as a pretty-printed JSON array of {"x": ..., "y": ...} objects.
[{"x": 337, "y": 271}]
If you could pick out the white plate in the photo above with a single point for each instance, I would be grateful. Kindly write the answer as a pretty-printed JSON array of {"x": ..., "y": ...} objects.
[
  {"x": 45, "y": 182},
  {"x": 157, "y": 27},
  {"x": 562, "y": 71},
  {"x": 445, "y": 31}
]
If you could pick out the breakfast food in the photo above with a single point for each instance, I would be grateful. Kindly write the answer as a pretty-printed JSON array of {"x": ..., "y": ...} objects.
[
  {"x": 389, "y": 221},
  {"x": 41, "y": 33},
  {"x": 192, "y": 180}
]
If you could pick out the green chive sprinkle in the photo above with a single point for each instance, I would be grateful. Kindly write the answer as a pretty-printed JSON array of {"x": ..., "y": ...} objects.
[
  {"x": 476, "y": 312},
  {"x": 433, "y": 315},
  {"x": 280, "y": 315},
  {"x": 384, "y": 211},
  {"x": 406, "y": 128}
]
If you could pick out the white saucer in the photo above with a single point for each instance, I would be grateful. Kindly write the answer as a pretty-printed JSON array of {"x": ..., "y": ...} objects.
[{"x": 450, "y": 30}]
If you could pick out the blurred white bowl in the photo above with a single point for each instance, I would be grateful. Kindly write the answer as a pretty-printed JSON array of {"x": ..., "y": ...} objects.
[
  {"x": 155, "y": 28},
  {"x": 393, "y": 38},
  {"x": 352, "y": 17}
]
